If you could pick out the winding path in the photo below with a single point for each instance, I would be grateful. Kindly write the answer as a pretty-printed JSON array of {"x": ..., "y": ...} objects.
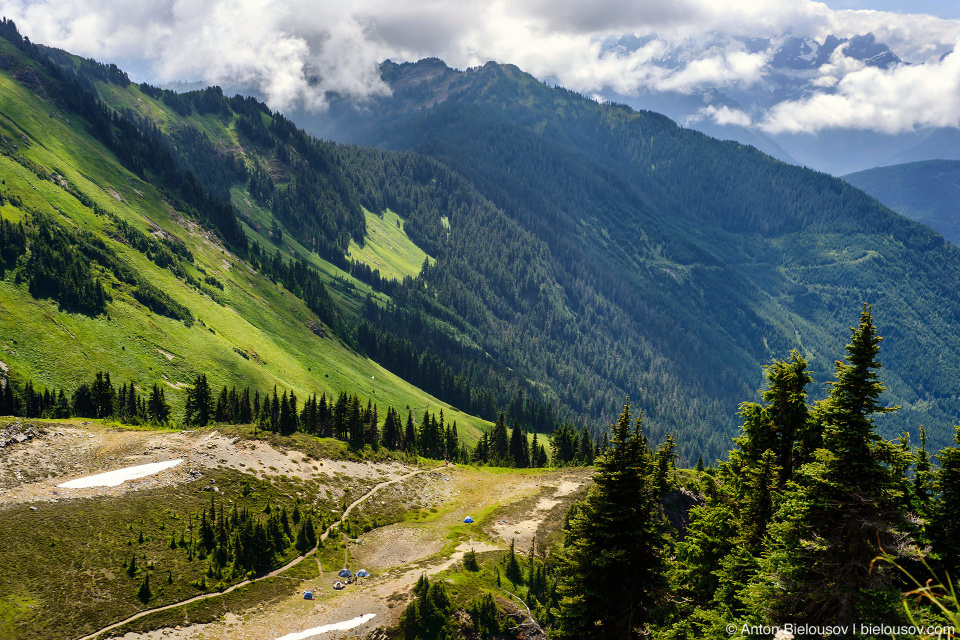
[{"x": 273, "y": 573}]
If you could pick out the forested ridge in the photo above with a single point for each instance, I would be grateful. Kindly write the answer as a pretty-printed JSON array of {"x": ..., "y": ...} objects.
[
  {"x": 700, "y": 259},
  {"x": 315, "y": 191},
  {"x": 923, "y": 191}
]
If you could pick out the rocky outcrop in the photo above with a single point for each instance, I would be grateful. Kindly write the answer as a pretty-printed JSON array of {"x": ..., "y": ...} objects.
[
  {"x": 17, "y": 432},
  {"x": 677, "y": 504}
]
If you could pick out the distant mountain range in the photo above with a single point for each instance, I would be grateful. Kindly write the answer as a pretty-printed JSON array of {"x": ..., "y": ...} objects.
[
  {"x": 928, "y": 192},
  {"x": 793, "y": 67},
  {"x": 792, "y": 72}
]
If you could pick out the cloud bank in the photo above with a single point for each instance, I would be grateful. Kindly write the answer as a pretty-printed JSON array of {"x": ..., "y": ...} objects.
[
  {"x": 900, "y": 99},
  {"x": 295, "y": 51}
]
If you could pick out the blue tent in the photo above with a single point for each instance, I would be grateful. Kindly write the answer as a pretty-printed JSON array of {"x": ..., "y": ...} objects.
[
  {"x": 344, "y": 573},
  {"x": 308, "y": 595},
  {"x": 468, "y": 520},
  {"x": 363, "y": 573}
]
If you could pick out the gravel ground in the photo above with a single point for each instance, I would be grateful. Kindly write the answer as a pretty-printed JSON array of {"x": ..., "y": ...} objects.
[{"x": 30, "y": 471}]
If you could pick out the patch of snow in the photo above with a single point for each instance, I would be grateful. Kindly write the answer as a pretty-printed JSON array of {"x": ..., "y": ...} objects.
[
  {"x": 810, "y": 50},
  {"x": 337, "y": 626},
  {"x": 119, "y": 476}
]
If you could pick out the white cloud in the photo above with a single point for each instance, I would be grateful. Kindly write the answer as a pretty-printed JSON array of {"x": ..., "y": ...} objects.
[
  {"x": 723, "y": 116},
  {"x": 904, "y": 98},
  {"x": 278, "y": 47},
  {"x": 296, "y": 50}
]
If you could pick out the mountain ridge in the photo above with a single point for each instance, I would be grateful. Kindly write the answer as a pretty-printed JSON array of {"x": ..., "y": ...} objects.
[
  {"x": 687, "y": 190},
  {"x": 926, "y": 191}
]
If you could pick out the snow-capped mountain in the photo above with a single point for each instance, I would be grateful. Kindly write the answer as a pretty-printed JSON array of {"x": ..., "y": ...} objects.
[{"x": 794, "y": 69}]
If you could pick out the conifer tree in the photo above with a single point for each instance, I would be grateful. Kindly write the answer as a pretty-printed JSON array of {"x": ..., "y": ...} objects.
[
  {"x": 157, "y": 408},
  {"x": 538, "y": 455},
  {"x": 665, "y": 462},
  {"x": 198, "y": 409},
  {"x": 144, "y": 594},
  {"x": 499, "y": 445},
  {"x": 511, "y": 566},
  {"x": 612, "y": 565},
  {"x": 729, "y": 530},
  {"x": 946, "y": 512},
  {"x": 518, "y": 457},
  {"x": 481, "y": 453},
  {"x": 355, "y": 423},
  {"x": 585, "y": 448},
  {"x": 845, "y": 510},
  {"x": 275, "y": 411},
  {"x": 286, "y": 416},
  {"x": 62, "y": 409},
  {"x": 782, "y": 423},
  {"x": 923, "y": 478},
  {"x": 409, "y": 442},
  {"x": 371, "y": 431}
]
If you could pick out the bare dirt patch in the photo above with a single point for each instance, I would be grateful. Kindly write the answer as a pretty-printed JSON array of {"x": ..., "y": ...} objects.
[
  {"x": 539, "y": 517},
  {"x": 30, "y": 471}
]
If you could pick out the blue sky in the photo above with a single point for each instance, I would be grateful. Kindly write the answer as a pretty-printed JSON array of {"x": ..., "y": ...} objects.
[{"x": 948, "y": 9}]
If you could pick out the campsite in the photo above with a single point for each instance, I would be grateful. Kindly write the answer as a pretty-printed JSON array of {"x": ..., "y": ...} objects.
[{"x": 428, "y": 535}]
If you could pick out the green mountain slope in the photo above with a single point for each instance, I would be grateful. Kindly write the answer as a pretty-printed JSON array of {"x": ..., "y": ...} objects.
[
  {"x": 178, "y": 299},
  {"x": 682, "y": 263},
  {"x": 928, "y": 192}
]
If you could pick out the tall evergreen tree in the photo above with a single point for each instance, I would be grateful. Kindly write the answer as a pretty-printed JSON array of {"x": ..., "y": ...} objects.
[
  {"x": 355, "y": 423},
  {"x": 371, "y": 430},
  {"x": 518, "y": 452},
  {"x": 499, "y": 444},
  {"x": 144, "y": 593},
  {"x": 946, "y": 512},
  {"x": 409, "y": 442},
  {"x": 782, "y": 423},
  {"x": 198, "y": 409},
  {"x": 612, "y": 565},
  {"x": 845, "y": 510},
  {"x": 157, "y": 408}
]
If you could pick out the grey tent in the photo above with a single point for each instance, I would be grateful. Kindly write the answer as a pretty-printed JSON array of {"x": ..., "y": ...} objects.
[
  {"x": 468, "y": 520},
  {"x": 344, "y": 573},
  {"x": 363, "y": 573}
]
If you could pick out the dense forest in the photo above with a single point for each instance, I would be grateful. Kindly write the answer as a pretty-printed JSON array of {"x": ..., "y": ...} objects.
[
  {"x": 343, "y": 417},
  {"x": 321, "y": 203},
  {"x": 701, "y": 259}
]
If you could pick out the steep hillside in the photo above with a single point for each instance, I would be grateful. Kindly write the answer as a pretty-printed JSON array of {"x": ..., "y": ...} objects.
[
  {"x": 683, "y": 263},
  {"x": 928, "y": 192},
  {"x": 131, "y": 268}
]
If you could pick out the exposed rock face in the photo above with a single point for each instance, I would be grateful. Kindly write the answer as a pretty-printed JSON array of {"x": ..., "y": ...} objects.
[
  {"x": 677, "y": 504},
  {"x": 17, "y": 432}
]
